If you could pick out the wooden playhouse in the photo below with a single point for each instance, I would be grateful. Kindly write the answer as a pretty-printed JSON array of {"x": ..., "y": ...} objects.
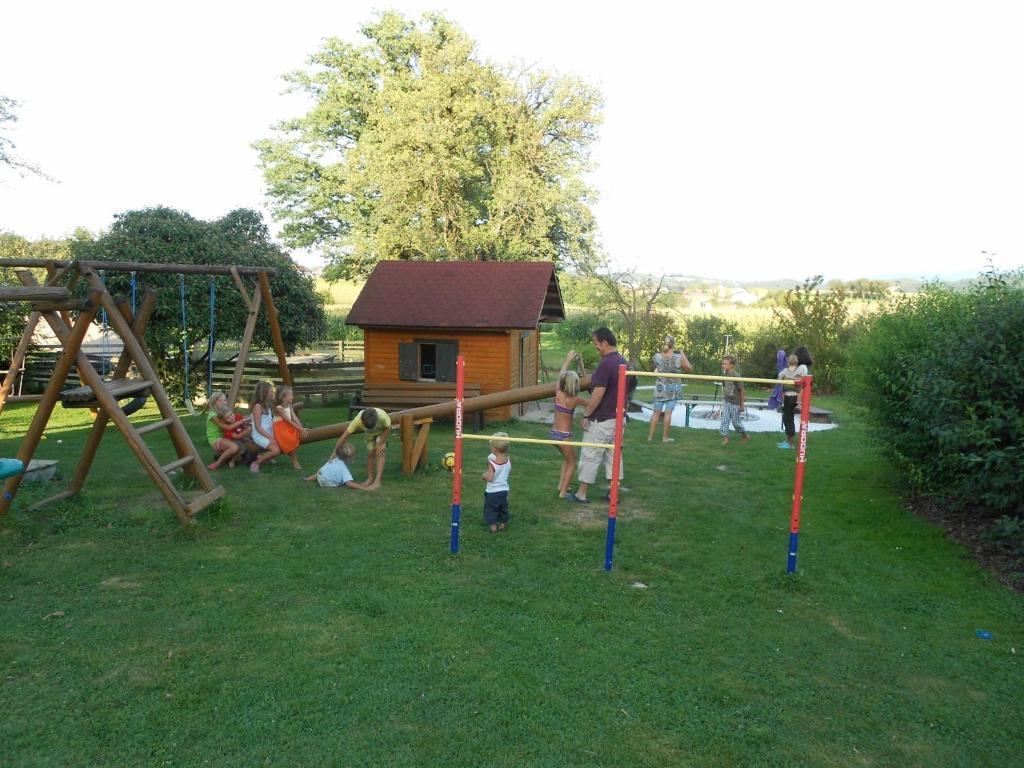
[{"x": 417, "y": 317}]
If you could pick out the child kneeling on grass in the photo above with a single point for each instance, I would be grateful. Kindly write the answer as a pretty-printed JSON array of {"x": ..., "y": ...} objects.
[
  {"x": 335, "y": 473},
  {"x": 496, "y": 493}
]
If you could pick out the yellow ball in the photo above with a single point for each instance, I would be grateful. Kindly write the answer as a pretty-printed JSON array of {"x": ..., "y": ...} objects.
[{"x": 448, "y": 461}]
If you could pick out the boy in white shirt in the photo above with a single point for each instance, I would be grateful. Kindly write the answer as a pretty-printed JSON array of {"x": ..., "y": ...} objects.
[{"x": 496, "y": 493}]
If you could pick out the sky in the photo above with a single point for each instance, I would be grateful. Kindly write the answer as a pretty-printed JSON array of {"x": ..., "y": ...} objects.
[{"x": 741, "y": 140}]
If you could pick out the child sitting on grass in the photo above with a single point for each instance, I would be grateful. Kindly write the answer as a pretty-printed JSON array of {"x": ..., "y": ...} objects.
[
  {"x": 224, "y": 448},
  {"x": 496, "y": 493},
  {"x": 335, "y": 473}
]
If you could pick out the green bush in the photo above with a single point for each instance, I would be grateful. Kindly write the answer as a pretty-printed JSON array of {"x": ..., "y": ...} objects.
[
  {"x": 575, "y": 331},
  {"x": 940, "y": 376},
  {"x": 702, "y": 338},
  {"x": 819, "y": 320}
]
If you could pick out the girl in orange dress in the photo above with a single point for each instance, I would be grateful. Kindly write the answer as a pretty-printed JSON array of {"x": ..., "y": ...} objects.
[{"x": 288, "y": 430}]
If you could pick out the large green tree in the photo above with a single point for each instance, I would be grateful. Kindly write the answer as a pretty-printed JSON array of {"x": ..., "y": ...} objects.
[
  {"x": 240, "y": 238},
  {"x": 415, "y": 148}
]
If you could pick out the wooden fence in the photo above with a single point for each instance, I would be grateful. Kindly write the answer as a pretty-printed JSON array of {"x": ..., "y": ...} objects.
[{"x": 327, "y": 369}]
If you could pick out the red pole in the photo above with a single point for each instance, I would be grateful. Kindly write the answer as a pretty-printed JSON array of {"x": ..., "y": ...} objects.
[
  {"x": 798, "y": 482},
  {"x": 613, "y": 496},
  {"x": 460, "y": 385}
]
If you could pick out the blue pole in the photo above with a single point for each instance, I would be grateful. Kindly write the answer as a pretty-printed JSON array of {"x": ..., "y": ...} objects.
[
  {"x": 184, "y": 331},
  {"x": 213, "y": 329},
  {"x": 455, "y": 527},
  {"x": 134, "y": 286},
  {"x": 791, "y": 562},
  {"x": 609, "y": 545}
]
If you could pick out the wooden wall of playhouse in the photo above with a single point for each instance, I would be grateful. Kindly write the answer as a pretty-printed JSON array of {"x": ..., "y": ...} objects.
[{"x": 492, "y": 358}]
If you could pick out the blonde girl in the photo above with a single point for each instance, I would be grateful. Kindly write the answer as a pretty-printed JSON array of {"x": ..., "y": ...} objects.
[
  {"x": 227, "y": 448},
  {"x": 288, "y": 430},
  {"x": 566, "y": 400},
  {"x": 262, "y": 411}
]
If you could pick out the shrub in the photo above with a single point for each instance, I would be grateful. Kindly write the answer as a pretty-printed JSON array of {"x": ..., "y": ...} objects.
[
  {"x": 940, "y": 376},
  {"x": 820, "y": 321},
  {"x": 703, "y": 340}
]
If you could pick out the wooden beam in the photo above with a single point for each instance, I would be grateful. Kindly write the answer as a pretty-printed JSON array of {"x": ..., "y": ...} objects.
[
  {"x": 275, "y": 330},
  {"x": 18, "y": 360},
  {"x": 243, "y": 349},
  {"x": 10, "y": 294},
  {"x": 124, "y": 361},
  {"x": 407, "y": 445},
  {"x": 136, "y": 347},
  {"x": 72, "y": 342},
  {"x": 241, "y": 288},
  {"x": 139, "y": 266}
]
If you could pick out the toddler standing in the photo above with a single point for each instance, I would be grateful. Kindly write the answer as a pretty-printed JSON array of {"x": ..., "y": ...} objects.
[{"x": 496, "y": 493}]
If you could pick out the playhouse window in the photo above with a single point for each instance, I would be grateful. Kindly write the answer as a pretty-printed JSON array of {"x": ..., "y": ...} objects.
[{"x": 427, "y": 360}]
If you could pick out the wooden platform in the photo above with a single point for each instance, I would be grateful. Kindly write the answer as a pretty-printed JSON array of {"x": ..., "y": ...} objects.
[{"x": 85, "y": 397}]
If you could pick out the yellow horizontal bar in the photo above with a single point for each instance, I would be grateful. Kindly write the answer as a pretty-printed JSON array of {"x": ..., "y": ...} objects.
[
  {"x": 783, "y": 382},
  {"x": 534, "y": 440}
]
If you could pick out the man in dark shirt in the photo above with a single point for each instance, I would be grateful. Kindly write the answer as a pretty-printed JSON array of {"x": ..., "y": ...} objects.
[{"x": 599, "y": 415}]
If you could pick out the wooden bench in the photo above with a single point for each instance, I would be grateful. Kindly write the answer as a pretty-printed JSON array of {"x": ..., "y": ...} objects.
[
  {"x": 400, "y": 396},
  {"x": 318, "y": 377}
]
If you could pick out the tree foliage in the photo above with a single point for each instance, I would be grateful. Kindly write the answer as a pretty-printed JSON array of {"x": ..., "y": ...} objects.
[
  {"x": 940, "y": 375},
  {"x": 416, "y": 149},
  {"x": 821, "y": 321},
  {"x": 163, "y": 235},
  {"x": 14, "y": 316}
]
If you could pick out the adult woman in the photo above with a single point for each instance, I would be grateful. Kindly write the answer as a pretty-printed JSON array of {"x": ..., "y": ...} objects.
[{"x": 666, "y": 390}]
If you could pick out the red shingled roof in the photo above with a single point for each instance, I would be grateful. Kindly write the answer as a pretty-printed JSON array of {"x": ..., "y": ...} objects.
[{"x": 458, "y": 294}]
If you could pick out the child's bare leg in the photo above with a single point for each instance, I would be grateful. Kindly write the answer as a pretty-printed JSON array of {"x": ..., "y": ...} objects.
[
  {"x": 372, "y": 486},
  {"x": 295, "y": 460},
  {"x": 568, "y": 468}
]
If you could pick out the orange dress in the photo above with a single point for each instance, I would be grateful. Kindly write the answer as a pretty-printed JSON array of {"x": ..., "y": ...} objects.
[{"x": 286, "y": 434}]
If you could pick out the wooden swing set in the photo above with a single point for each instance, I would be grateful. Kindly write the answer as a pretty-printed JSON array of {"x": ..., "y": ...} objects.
[{"x": 55, "y": 303}]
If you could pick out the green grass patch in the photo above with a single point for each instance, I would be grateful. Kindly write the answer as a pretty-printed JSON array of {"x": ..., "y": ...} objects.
[{"x": 299, "y": 626}]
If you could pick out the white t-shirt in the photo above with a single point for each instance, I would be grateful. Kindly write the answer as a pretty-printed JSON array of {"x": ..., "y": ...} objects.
[
  {"x": 501, "y": 471},
  {"x": 333, "y": 474}
]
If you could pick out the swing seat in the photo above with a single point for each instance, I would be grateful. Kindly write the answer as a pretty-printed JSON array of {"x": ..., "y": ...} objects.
[
  {"x": 10, "y": 468},
  {"x": 84, "y": 397}
]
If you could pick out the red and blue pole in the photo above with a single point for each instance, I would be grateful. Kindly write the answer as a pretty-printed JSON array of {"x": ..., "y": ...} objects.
[
  {"x": 801, "y": 461},
  {"x": 613, "y": 495},
  {"x": 460, "y": 379}
]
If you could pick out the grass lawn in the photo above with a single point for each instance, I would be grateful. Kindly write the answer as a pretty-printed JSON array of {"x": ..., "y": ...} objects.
[{"x": 309, "y": 627}]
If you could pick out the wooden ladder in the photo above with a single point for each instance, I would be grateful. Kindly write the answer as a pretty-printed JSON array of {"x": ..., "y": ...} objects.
[{"x": 130, "y": 329}]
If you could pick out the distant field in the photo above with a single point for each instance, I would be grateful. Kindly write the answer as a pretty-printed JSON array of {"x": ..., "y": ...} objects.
[{"x": 340, "y": 295}]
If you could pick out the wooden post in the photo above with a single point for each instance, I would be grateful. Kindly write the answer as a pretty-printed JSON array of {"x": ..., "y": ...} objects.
[
  {"x": 99, "y": 425},
  {"x": 18, "y": 359},
  {"x": 72, "y": 343},
  {"x": 134, "y": 346},
  {"x": 407, "y": 445},
  {"x": 419, "y": 454},
  {"x": 275, "y": 330},
  {"x": 243, "y": 350}
]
